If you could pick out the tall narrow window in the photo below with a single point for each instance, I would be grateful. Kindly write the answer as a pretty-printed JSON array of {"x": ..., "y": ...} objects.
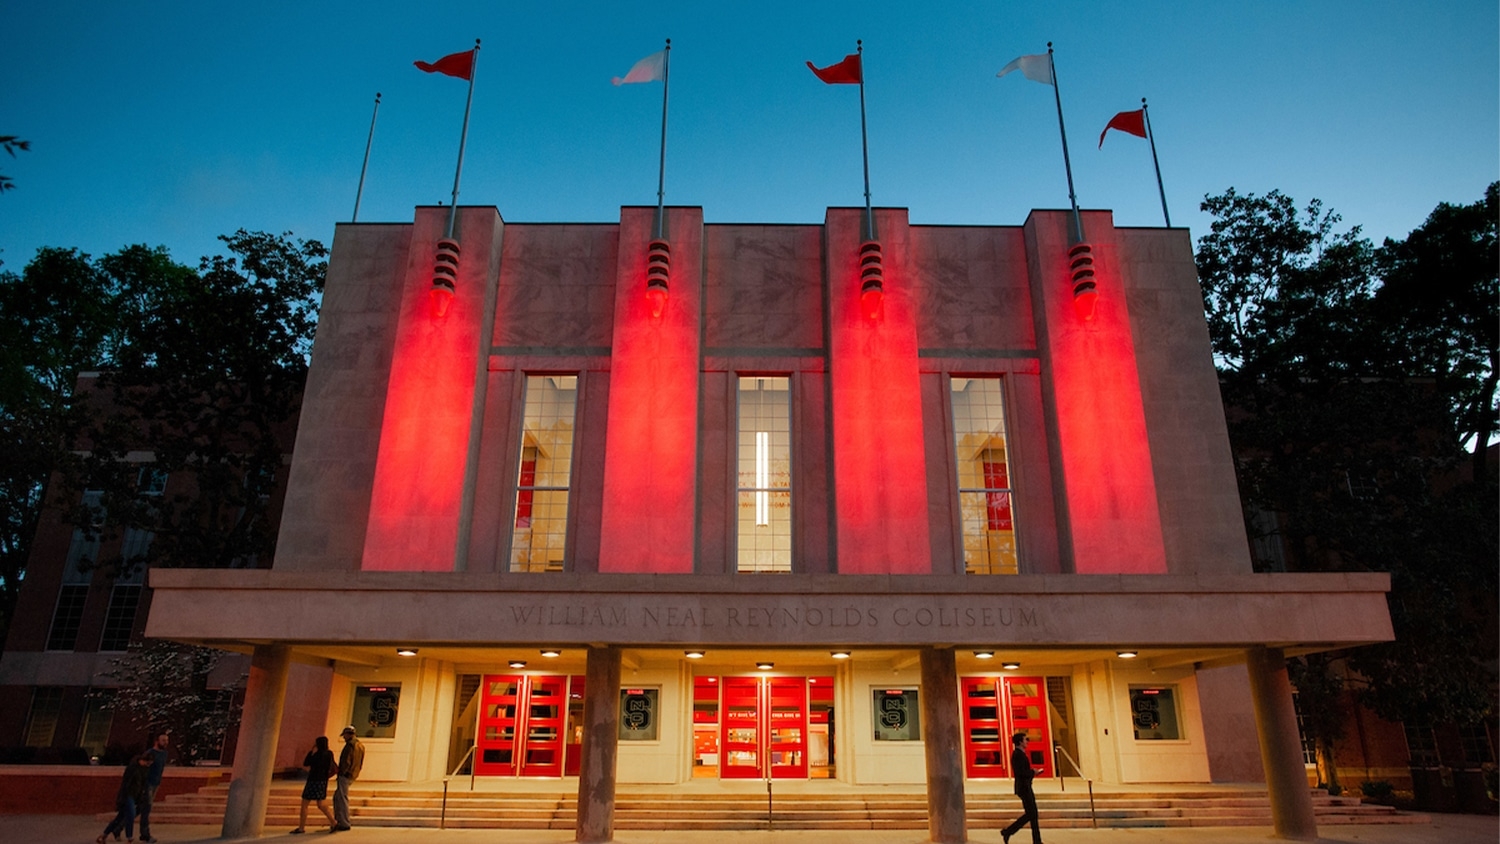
[
  {"x": 765, "y": 475},
  {"x": 984, "y": 491},
  {"x": 539, "y": 541},
  {"x": 78, "y": 570},
  {"x": 41, "y": 721}
]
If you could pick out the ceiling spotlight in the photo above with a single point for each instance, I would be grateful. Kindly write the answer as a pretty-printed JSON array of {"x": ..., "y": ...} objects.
[
  {"x": 518, "y": 663},
  {"x": 984, "y": 654},
  {"x": 551, "y": 652},
  {"x": 765, "y": 666},
  {"x": 694, "y": 654},
  {"x": 839, "y": 654},
  {"x": 406, "y": 652},
  {"x": 1010, "y": 666},
  {"x": 1127, "y": 654}
]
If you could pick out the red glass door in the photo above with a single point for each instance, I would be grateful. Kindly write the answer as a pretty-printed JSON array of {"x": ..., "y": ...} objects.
[
  {"x": 740, "y": 729},
  {"x": 1026, "y": 701},
  {"x": 994, "y": 709},
  {"x": 763, "y": 721},
  {"x": 520, "y": 730},
  {"x": 986, "y": 744}
]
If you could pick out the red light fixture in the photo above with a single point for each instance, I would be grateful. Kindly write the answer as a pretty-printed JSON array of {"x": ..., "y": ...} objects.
[
  {"x": 1081, "y": 267},
  {"x": 658, "y": 265},
  {"x": 871, "y": 279},
  {"x": 444, "y": 276}
]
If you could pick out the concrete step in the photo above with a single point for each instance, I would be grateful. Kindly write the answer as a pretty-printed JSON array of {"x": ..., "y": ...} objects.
[{"x": 385, "y": 807}]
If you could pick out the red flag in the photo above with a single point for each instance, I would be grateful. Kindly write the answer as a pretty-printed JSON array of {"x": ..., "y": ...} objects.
[
  {"x": 846, "y": 72},
  {"x": 1133, "y": 122},
  {"x": 457, "y": 64}
]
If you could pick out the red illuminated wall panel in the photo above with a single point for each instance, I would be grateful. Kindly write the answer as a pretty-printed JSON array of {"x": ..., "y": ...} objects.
[
  {"x": 650, "y": 453},
  {"x": 1091, "y": 381},
  {"x": 879, "y": 462},
  {"x": 420, "y": 473}
]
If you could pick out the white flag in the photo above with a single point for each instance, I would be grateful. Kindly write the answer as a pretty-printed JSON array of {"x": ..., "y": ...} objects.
[
  {"x": 650, "y": 69},
  {"x": 1037, "y": 68}
]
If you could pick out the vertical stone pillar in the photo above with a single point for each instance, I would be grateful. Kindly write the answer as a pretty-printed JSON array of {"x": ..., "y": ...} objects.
[
  {"x": 255, "y": 755},
  {"x": 943, "y": 740},
  {"x": 601, "y": 738},
  {"x": 1280, "y": 748}
]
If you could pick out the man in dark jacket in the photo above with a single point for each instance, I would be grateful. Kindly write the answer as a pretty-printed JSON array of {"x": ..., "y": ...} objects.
[
  {"x": 351, "y": 761},
  {"x": 1020, "y": 768}
]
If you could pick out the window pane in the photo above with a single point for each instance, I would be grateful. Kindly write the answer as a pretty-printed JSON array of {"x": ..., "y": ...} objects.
[
  {"x": 41, "y": 722},
  {"x": 67, "y": 618},
  {"x": 985, "y": 500},
  {"x": 97, "y": 719},
  {"x": 545, "y": 472},
  {"x": 764, "y": 475},
  {"x": 1154, "y": 710},
  {"x": 119, "y": 621}
]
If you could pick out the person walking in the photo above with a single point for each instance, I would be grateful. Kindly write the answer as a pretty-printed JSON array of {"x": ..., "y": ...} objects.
[
  {"x": 132, "y": 792},
  {"x": 351, "y": 761},
  {"x": 158, "y": 753},
  {"x": 320, "y": 767},
  {"x": 1020, "y": 768}
]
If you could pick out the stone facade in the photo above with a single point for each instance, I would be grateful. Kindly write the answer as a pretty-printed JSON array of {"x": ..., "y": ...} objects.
[{"x": 412, "y": 487}]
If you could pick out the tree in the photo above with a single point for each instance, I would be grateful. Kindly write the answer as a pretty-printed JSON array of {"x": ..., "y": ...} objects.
[
  {"x": 208, "y": 378},
  {"x": 202, "y": 367},
  {"x": 56, "y": 319},
  {"x": 1352, "y": 378},
  {"x": 1439, "y": 288},
  {"x": 164, "y": 687}
]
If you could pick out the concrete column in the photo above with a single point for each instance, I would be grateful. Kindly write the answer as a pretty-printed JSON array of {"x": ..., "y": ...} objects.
[
  {"x": 601, "y": 739},
  {"x": 255, "y": 754},
  {"x": 1280, "y": 748},
  {"x": 943, "y": 737}
]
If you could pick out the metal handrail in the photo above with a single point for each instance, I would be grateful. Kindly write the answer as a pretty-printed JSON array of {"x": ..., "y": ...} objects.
[
  {"x": 1057, "y": 750},
  {"x": 443, "y": 813},
  {"x": 461, "y": 762}
]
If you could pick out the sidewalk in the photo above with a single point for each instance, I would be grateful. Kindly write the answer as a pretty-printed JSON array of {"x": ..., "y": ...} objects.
[{"x": 1444, "y": 829}]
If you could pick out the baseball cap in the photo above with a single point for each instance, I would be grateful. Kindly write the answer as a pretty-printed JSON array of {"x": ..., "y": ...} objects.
[{"x": 347, "y": 730}]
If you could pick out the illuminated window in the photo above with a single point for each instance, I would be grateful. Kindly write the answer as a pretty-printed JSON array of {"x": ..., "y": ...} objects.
[
  {"x": 546, "y": 466},
  {"x": 984, "y": 492},
  {"x": 765, "y": 475},
  {"x": 41, "y": 721},
  {"x": 98, "y": 717},
  {"x": 1154, "y": 710}
]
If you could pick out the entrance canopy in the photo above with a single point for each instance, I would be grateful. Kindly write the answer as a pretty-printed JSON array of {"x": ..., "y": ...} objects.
[{"x": 1169, "y": 619}]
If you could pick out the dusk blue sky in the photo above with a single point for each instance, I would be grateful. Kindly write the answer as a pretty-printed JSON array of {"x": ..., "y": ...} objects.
[{"x": 173, "y": 122}]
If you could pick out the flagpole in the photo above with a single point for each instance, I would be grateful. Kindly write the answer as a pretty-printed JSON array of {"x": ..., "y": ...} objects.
[
  {"x": 661, "y": 172},
  {"x": 864, "y": 141},
  {"x": 1150, "y": 136},
  {"x": 463, "y": 139},
  {"x": 368, "y": 142},
  {"x": 1067, "y": 164}
]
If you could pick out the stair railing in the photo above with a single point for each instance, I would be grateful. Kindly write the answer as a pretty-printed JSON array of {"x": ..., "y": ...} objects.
[
  {"x": 1057, "y": 750},
  {"x": 443, "y": 814}
]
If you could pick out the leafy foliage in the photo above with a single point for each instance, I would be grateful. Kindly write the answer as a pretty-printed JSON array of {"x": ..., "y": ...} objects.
[
  {"x": 201, "y": 371},
  {"x": 1354, "y": 378},
  {"x": 164, "y": 687},
  {"x": 11, "y": 143}
]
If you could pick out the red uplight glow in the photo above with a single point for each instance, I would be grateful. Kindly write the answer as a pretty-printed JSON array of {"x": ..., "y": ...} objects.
[
  {"x": 1083, "y": 304},
  {"x": 424, "y": 436},
  {"x": 872, "y": 302},
  {"x": 441, "y": 298},
  {"x": 650, "y": 462},
  {"x": 657, "y": 298}
]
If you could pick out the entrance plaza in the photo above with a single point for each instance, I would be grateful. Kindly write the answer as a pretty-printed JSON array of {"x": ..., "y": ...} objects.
[{"x": 833, "y": 505}]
